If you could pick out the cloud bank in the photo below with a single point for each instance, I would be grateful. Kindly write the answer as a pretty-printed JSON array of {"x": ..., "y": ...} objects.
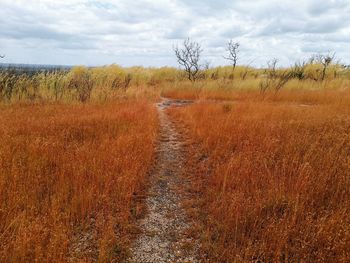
[{"x": 143, "y": 32}]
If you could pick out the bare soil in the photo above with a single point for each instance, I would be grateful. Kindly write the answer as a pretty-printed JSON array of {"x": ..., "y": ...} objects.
[{"x": 164, "y": 229}]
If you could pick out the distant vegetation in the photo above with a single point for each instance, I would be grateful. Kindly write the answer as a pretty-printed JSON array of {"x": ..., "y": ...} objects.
[{"x": 103, "y": 83}]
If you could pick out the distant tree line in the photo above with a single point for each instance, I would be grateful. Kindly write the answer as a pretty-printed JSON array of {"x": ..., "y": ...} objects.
[
  {"x": 83, "y": 83},
  {"x": 189, "y": 57}
]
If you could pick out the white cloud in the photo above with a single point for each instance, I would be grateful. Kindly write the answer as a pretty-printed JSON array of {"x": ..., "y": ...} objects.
[{"x": 143, "y": 32}]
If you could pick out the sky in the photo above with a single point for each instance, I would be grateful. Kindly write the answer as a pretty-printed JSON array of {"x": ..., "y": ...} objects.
[{"x": 144, "y": 32}]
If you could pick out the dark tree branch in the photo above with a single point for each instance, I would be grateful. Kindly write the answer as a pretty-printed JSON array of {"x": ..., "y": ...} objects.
[
  {"x": 324, "y": 60},
  {"x": 232, "y": 49},
  {"x": 188, "y": 57}
]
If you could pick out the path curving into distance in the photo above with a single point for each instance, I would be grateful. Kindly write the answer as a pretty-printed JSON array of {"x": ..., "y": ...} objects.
[{"x": 163, "y": 237}]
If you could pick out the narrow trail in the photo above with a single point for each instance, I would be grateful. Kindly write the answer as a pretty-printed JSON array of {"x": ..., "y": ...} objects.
[{"x": 163, "y": 237}]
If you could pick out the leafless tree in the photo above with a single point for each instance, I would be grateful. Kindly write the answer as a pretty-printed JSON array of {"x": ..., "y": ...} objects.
[
  {"x": 325, "y": 61},
  {"x": 2, "y": 56},
  {"x": 188, "y": 57},
  {"x": 233, "y": 49}
]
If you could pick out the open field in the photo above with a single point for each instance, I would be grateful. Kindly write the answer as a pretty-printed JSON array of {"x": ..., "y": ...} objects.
[
  {"x": 263, "y": 174},
  {"x": 273, "y": 177},
  {"x": 69, "y": 175}
]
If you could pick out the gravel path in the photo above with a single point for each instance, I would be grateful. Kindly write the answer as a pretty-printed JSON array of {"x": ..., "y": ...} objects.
[{"x": 163, "y": 237}]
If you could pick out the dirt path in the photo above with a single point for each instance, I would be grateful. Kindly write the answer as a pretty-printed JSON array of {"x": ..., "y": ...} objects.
[{"x": 163, "y": 237}]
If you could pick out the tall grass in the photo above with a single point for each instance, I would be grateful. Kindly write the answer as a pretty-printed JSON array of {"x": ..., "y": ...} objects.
[
  {"x": 108, "y": 83},
  {"x": 273, "y": 177},
  {"x": 239, "y": 89},
  {"x": 80, "y": 84},
  {"x": 275, "y": 168},
  {"x": 68, "y": 179}
]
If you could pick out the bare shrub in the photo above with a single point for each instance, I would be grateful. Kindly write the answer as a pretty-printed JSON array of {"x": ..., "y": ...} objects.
[
  {"x": 274, "y": 79},
  {"x": 298, "y": 70}
]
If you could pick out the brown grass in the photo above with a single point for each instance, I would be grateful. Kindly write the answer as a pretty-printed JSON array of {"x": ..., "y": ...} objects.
[
  {"x": 273, "y": 177},
  {"x": 272, "y": 174},
  {"x": 68, "y": 175},
  {"x": 306, "y": 91}
]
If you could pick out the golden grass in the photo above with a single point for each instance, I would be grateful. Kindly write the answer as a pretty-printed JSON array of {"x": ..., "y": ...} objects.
[
  {"x": 68, "y": 174},
  {"x": 107, "y": 83},
  {"x": 273, "y": 177},
  {"x": 248, "y": 89},
  {"x": 273, "y": 174}
]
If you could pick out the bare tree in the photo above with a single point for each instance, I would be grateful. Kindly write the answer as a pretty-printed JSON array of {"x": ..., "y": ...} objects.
[
  {"x": 233, "y": 49},
  {"x": 325, "y": 61},
  {"x": 2, "y": 56},
  {"x": 188, "y": 57}
]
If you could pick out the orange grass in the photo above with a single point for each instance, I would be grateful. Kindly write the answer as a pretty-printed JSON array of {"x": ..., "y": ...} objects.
[
  {"x": 68, "y": 174},
  {"x": 305, "y": 91},
  {"x": 273, "y": 178}
]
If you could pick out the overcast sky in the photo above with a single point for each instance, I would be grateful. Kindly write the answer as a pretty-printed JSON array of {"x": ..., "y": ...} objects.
[{"x": 143, "y": 32}]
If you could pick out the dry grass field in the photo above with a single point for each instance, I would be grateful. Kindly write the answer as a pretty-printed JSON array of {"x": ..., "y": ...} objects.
[
  {"x": 268, "y": 170},
  {"x": 68, "y": 177},
  {"x": 273, "y": 176},
  {"x": 174, "y": 131}
]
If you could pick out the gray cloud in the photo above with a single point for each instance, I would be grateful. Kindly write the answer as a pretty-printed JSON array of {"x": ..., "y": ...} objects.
[
  {"x": 207, "y": 7},
  {"x": 318, "y": 8},
  {"x": 143, "y": 32}
]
